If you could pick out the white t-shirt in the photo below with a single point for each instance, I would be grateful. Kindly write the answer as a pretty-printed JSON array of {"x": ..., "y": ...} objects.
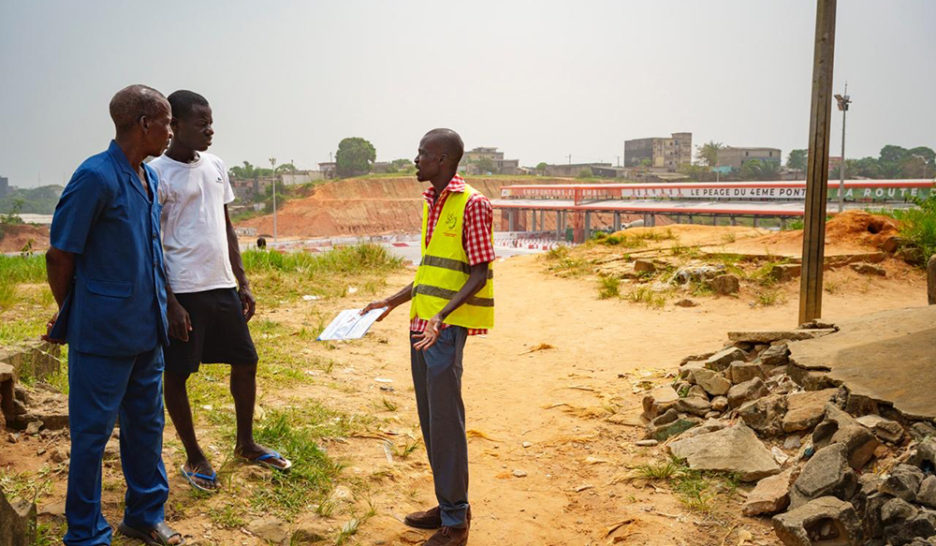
[{"x": 194, "y": 233}]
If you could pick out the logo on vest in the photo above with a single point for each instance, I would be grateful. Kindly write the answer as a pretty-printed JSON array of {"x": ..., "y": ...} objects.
[{"x": 451, "y": 220}]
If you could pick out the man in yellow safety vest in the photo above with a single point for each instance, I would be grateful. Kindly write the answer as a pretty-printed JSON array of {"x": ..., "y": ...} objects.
[{"x": 452, "y": 297}]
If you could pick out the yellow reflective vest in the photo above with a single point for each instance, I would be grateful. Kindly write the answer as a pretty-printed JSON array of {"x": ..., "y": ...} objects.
[{"x": 443, "y": 269}]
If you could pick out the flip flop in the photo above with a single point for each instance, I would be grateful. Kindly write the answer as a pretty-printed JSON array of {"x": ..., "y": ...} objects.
[
  {"x": 190, "y": 477},
  {"x": 164, "y": 534},
  {"x": 264, "y": 460}
]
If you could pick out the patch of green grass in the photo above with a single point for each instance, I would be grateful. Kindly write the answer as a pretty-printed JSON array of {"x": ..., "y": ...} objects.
[
  {"x": 697, "y": 490},
  {"x": 643, "y": 294},
  {"x": 227, "y": 516},
  {"x": 313, "y": 473},
  {"x": 351, "y": 528},
  {"x": 563, "y": 264},
  {"x": 659, "y": 471},
  {"x": 918, "y": 225},
  {"x": 406, "y": 449},
  {"x": 765, "y": 297},
  {"x": 794, "y": 225},
  {"x": 608, "y": 287},
  {"x": 27, "y": 486},
  {"x": 23, "y": 268}
]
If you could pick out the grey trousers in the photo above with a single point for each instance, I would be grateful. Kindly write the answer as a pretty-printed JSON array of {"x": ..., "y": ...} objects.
[{"x": 437, "y": 375}]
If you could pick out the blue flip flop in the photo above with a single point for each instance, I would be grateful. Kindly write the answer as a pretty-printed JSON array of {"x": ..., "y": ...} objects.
[
  {"x": 264, "y": 460},
  {"x": 190, "y": 477}
]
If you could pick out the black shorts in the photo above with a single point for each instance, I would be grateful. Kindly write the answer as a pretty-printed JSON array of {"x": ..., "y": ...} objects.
[{"x": 219, "y": 333}]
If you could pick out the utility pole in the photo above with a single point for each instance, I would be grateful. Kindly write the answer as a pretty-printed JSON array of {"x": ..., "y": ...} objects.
[
  {"x": 843, "y": 102},
  {"x": 817, "y": 168},
  {"x": 273, "y": 167},
  {"x": 570, "y": 159}
]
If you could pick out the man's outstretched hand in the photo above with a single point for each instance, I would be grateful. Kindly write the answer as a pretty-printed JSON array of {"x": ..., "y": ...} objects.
[{"x": 377, "y": 305}]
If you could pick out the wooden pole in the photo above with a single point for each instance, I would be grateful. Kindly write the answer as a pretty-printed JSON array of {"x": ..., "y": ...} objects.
[{"x": 817, "y": 169}]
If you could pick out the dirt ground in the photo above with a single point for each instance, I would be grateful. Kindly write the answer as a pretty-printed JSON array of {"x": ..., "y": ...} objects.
[
  {"x": 17, "y": 237},
  {"x": 552, "y": 398}
]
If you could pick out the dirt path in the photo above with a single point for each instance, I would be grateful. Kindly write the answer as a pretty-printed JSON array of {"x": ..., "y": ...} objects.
[{"x": 559, "y": 403}]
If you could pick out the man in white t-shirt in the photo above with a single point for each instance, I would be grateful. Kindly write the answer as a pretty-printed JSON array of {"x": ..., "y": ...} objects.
[{"x": 209, "y": 298}]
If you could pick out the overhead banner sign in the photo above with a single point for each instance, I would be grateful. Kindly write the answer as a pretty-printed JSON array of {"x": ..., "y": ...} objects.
[{"x": 719, "y": 192}]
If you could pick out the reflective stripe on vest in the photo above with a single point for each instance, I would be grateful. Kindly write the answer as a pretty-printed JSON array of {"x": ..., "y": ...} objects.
[{"x": 443, "y": 269}]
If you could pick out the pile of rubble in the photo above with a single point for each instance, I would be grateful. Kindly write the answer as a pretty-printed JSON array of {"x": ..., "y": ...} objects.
[{"x": 831, "y": 467}]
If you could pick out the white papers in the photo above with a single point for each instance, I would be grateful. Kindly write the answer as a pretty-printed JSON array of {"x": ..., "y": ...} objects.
[{"x": 350, "y": 324}]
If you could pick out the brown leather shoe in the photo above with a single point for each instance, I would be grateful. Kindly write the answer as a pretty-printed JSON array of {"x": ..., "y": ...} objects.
[
  {"x": 449, "y": 536},
  {"x": 430, "y": 519}
]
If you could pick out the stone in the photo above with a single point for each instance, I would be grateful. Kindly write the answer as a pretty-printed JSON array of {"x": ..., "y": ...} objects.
[
  {"x": 712, "y": 382},
  {"x": 810, "y": 380},
  {"x": 646, "y": 443},
  {"x": 860, "y": 442},
  {"x": 17, "y": 522},
  {"x": 696, "y": 391},
  {"x": 897, "y": 509},
  {"x": 6, "y": 373},
  {"x": 885, "y": 429},
  {"x": 770, "y": 495},
  {"x": 792, "y": 442},
  {"x": 112, "y": 449},
  {"x": 764, "y": 414},
  {"x": 771, "y": 336},
  {"x": 924, "y": 456},
  {"x": 672, "y": 429},
  {"x": 59, "y": 454},
  {"x": 270, "y": 529},
  {"x": 668, "y": 417},
  {"x": 926, "y": 495},
  {"x": 519, "y": 473},
  {"x": 709, "y": 425},
  {"x": 644, "y": 266},
  {"x": 826, "y": 520},
  {"x": 776, "y": 355},
  {"x": 54, "y": 509},
  {"x": 658, "y": 401},
  {"x": 826, "y": 473},
  {"x": 806, "y": 409},
  {"x": 743, "y": 392},
  {"x": 734, "y": 449},
  {"x": 740, "y": 371},
  {"x": 33, "y": 427},
  {"x": 903, "y": 482},
  {"x": 720, "y": 403},
  {"x": 726, "y": 284},
  {"x": 785, "y": 272},
  {"x": 342, "y": 493},
  {"x": 863, "y": 268},
  {"x": 892, "y": 244},
  {"x": 310, "y": 534},
  {"x": 686, "y": 302},
  {"x": 686, "y": 370},
  {"x": 694, "y": 405},
  {"x": 722, "y": 359},
  {"x": 921, "y": 429}
]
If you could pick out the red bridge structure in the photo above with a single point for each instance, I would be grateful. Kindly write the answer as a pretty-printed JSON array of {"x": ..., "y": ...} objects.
[{"x": 541, "y": 208}]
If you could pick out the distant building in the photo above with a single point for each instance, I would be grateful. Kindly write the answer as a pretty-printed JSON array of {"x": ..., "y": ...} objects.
[
  {"x": 736, "y": 157},
  {"x": 300, "y": 177},
  {"x": 572, "y": 170},
  {"x": 659, "y": 152},
  {"x": 483, "y": 160},
  {"x": 329, "y": 169},
  {"x": 4, "y": 186}
]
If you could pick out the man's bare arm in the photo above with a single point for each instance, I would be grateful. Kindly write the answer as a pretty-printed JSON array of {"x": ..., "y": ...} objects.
[
  {"x": 237, "y": 266},
  {"x": 390, "y": 303},
  {"x": 60, "y": 270}
]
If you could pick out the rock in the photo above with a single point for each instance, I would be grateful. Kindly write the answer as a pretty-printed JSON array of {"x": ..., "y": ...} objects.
[
  {"x": 764, "y": 414},
  {"x": 658, "y": 401},
  {"x": 924, "y": 456},
  {"x": 734, "y": 449},
  {"x": 112, "y": 449},
  {"x": 785, "y": 272},
  {"x": 892, "y": 244},
  {"x": 646, "y": 443},
  {"x": 668, "y": 417},
  {"x": 712, "y": 382},
  {"x": 722, "y": 359},
  {"x": 519, "y": 473},
  {"x": 269, "y": 529},
  {"x": 771, "y": 336},
  {"x": 694, "y": 405},
  {"x": 672, "y": 429},
  {"x": 310, "y": 534},
  {"x": 792, "y": 442},
  {"x": 740, "y": 371},
  {"x": 720, "y": 403},
  {"x": 896, "y": 510},
  {"x": 709, "y": 425},
  {"x": 743, "y": 392},
  {"x": 725, "y": 284},
  {"x": 921, "y": 429},
  {"x": 33, "y": 428},
  {"x": 860, "y": 442},
  {"x": 687, "y": 369},
  {"x": 59, "y": 454},
  {"x": 342, "y": 493},
  {"x": 696, "y": 391},
  {"x": 863, "y": 268},
  {"x": 17, "y": 522},
  {"x": 54, "y": 509},
  {"x": 776, "y": 355},
  {"x": 826, "y": 473},
  {"x": 903, "y": 482},
  {"x": 686, "y": 302},
  {"x": 810, "y": 380},
  {"x": 806, "y": 409},
  {"x": 644, "y": 266},
  {"x": 826, "y": 520},
  {"x": 885, "y": 429},
  {"x": 926, "y": 495},
  {"x": 770, "y": 495}
]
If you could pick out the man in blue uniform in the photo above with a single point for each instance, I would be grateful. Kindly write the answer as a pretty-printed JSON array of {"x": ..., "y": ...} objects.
[{"x": 105, "y": 270}]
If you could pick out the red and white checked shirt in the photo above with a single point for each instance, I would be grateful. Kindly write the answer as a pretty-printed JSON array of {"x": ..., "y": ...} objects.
[{"x": 476, "y": 233}]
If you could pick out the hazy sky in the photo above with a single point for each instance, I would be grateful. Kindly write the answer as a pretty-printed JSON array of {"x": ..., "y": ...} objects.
[{"x": 539, "y": 79}]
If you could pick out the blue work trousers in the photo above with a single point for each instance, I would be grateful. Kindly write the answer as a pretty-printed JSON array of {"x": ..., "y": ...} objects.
[
  {"x": 100, "y": 389},
  {"x": 437, "y": 375}
]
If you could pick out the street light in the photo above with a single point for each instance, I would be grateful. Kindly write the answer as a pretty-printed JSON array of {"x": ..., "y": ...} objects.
[
  {"x": 843, "y": 102},
  {"x": 273, "y": 167}
]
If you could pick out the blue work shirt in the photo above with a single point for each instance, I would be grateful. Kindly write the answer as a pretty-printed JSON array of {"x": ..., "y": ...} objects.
[{"x": 117, "y": 303}]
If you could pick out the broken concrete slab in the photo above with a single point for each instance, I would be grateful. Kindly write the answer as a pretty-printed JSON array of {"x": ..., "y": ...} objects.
[
  {"x": 726, "y": 284},
  {"x": 712, "y": 382},
  {"x": 17, "y": 522},
  {"x": 806, "y": 409},
  {"x": 864, "y": 268},
  {"x": 722, "y": 359},
  {"x": 826, "y": 520},
  {"x": 903, "y": 482},
  {"x": 770, "y": 495},
  {"x": 885, "y": 429},
  {"x": 886, "y": 356},
  {"x": 740, "y": 371},
  {"x": 770, "y": 336},
  {"x": 825, "y": 473},
  {"x": 764, "y": 414},
  {"x": 744, "y": 392},
  {"x": 734, "y": 449}
]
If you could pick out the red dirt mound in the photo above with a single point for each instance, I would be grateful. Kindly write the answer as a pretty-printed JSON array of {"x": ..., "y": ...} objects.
[{"x": 17, "y": 237}]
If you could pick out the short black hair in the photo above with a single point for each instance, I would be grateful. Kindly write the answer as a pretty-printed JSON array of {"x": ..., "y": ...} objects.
[
  {"x": 183, "y": 102},
  {"x": 131, "y": 103},
  {"x": 452, "y": 142}
]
